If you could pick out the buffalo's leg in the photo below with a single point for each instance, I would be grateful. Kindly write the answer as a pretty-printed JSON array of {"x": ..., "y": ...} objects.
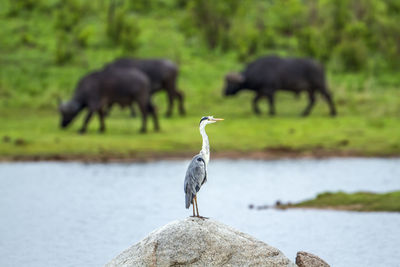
[
  {"x": 170, "y": 87},
  {"x": 101, "y": 118},
  {"x": 143, "y": 109},
  {"x": 328, "y": 99},
  {"x": 170, "y": 103},
  {"x": 256, "y": 109},
  {"x": 271, "y": 102},
  {"x": 153, "y": 113},
  {"x": 311, "y": 99},
  {"x": 132, "y": 109},
  {"x": 180, "y": 97},
  {"x": 86, "y": 121},
  {"x": 107, "y": 110}
]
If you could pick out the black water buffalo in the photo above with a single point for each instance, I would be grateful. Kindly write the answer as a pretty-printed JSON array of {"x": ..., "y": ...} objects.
[
  {"x": 269, "y": 74},
  {"x": 162, "y": 74},
  {"x": 100, "y": 89}
]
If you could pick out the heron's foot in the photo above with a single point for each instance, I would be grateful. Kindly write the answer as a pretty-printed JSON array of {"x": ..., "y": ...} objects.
[{"x": 200, "y": 217}]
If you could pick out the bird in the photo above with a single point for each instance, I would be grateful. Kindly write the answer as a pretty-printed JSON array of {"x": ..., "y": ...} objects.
[{"x": 196, "y": 174}]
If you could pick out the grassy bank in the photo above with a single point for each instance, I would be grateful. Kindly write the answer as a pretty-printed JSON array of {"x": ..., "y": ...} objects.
[
  {"x": 360, "y": 201},
  {"x": 30, "y": 134},
  {"x": 368, "y": 104}
]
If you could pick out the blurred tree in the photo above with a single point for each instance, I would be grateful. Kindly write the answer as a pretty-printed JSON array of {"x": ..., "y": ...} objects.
[
  {"x": 70, "y": 35},
  {"x": 351, "y": 35},
  {"x": 346, "y": 35},
  {"x": 121, "y": 27},
  {"x": 212, "y": 19},
  {"x": 16, "y": 6}
]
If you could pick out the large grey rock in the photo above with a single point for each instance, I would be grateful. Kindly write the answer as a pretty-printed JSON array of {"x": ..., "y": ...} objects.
[
  {"x": 200, "y": 242},
  {"x": 305, "y": 259}
]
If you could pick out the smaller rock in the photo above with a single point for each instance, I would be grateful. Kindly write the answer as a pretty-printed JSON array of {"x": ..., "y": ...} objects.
[{"x": 305, "y": 259}]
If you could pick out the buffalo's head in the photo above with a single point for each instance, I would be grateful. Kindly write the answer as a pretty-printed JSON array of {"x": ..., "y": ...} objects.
[
  {"x": 68, "y": 111},
  {"x": 233, "y": 82}
]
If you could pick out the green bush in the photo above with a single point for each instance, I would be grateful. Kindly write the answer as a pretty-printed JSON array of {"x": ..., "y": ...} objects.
[
  {"x": 84, "y": 35},
  {"x": 27, "y": 39},
  {"x": 246, "y": 41},
  {"x": 64, "y": 52},
  {"x": 68, "y": 15},
  {"x": 121, "y": 28},
  {"x": 16, "y": 6},
  {"x": 71, "y": 35},
  {"x": 351, "y": 56},
  {"x": 129, "y": 36},
  {"x": 212, "y": 20}
]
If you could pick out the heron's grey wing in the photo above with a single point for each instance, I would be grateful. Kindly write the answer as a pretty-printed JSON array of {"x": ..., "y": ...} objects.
[{"x": 195, "y": 177}]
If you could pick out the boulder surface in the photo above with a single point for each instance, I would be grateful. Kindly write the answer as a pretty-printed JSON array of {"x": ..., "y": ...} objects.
[
  {"x": 305, "y": 259},
  {"x": 200, "y": 242}
]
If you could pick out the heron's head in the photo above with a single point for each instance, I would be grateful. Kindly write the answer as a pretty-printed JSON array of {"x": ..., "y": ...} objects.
[{"x": 208, "y": 119}]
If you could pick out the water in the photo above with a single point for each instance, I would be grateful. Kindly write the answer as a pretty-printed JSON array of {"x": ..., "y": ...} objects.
[{"x": 73, "y": 214}]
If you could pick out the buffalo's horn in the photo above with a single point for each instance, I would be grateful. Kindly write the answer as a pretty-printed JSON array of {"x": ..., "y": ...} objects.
[{"x": 235, "y": 77}]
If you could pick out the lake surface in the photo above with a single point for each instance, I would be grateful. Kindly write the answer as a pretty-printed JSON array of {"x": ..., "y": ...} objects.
[{"x": 74, "y": 214}]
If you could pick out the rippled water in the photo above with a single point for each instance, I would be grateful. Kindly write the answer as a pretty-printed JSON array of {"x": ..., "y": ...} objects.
[{"x": 73, "y": 214}]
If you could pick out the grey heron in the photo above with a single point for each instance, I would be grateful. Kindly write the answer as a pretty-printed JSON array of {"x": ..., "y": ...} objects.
[{"x": 196, "y": 174}]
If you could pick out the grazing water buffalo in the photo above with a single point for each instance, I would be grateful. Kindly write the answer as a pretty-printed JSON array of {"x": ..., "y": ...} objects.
[
  {"x": 162, "y": 74},
  {"x": 269, "y": 74},
  {"x": 100, "y": 89}
]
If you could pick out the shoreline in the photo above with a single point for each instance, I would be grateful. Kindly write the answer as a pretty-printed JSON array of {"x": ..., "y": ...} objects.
[
  {"x": 270, "y": 154},
  {"x": 361, "y": 201}
]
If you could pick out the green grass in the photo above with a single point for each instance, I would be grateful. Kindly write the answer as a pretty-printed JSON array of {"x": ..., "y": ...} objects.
[
  {"x": 241, "y": 132},
  {"x": 360, "y": 201},
  {"x": 368, "y": 105}
]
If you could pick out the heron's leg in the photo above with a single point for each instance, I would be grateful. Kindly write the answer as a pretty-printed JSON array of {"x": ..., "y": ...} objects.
[
  {"x": 197, "y": 209},
  {"x": 194, "y": 214}
]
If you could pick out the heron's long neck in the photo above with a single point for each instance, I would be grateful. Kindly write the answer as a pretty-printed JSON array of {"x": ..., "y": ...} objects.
[{"x": 205, "y": 149}]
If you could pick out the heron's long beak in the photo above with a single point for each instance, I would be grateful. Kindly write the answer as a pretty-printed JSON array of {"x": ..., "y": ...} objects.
[{"x": 217, "y": 119}]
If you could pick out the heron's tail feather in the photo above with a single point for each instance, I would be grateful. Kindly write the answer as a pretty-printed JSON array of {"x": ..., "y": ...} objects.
[{"x": 188, "y": 199}]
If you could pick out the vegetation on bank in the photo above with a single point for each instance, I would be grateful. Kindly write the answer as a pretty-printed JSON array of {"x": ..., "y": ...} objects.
[
  {"x": 24, "y": 133},
  {"x": 47, "y": 46},
  {"x": 360, "y": 201}
]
